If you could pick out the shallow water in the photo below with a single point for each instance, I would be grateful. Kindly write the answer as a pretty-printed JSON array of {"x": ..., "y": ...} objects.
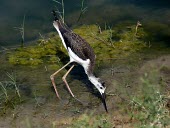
[
  {"x": 38, "y": 105},
  {"x": 38, "y": 18}
]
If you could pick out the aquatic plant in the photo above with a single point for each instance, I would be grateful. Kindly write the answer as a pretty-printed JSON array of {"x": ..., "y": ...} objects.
[
  {"x": 109, "y": 44},
  {"x": 9, "y": 99},
  {"x": 22, "y": 32},
  {"x": 13, "y": 82},
  {"x": 37, "y": 104},
  {"x": 61, "y": 14},
  {"x": 82, "y": 11},
  {"x": 4, "y": 90},
  {"x": 92, "y": 121},
  {"x": 39, "y": 54},
  {"x": 148, "y": 108}
]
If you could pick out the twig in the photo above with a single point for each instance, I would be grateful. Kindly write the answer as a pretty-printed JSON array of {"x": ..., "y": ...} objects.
[
  {"x": 63, "y": 11},
  {"x": 82, "y": 11},
  {"x": 4, "y": 48},
  {"x": 35, "y": 97},
  {"x": 100, "y": 39},
  {"x": 13, "y": 81},
  {"x": 22, "y": 31},
  {"x": 99, "y": 28},
  {"x": 4, "y": 91},
  {"x": 136, "y": 28}
]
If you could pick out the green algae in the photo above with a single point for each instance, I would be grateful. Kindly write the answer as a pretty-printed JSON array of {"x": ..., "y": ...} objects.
[
  {"x": 38, "y": 54},
  {"x": 109, "y": 43},
  {"x": 92, "y": 121},
  {"x": 118, "y": 42}
]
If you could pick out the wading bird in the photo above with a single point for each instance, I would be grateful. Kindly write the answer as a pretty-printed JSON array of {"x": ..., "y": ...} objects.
[{"x": 80, "y": 52}]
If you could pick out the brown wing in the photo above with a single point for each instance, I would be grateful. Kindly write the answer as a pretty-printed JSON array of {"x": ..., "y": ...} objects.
[{"x": 80, "y": 47}]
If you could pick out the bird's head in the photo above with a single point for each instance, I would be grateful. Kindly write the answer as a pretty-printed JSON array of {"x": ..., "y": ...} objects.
[{"x": 101, "y": 88}]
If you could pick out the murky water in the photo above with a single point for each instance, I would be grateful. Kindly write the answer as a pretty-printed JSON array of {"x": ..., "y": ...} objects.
[
  {"x": 38, "y": 18},
  {"x": 38, "y": 105}
]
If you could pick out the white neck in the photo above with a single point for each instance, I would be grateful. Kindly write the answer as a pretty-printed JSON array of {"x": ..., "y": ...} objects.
[
  {"x": 93, "y": 79},
  {"x": 96, "y": 83}
]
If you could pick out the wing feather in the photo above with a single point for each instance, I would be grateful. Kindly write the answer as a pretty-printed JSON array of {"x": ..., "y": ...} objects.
[{"x": 80, "y": 47}]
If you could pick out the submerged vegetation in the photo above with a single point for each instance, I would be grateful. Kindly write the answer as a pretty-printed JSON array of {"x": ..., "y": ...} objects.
[
  {"x": 44, "y": 52},
  {"x": 135, "y": 99},
  {"x": 10, "y": 96},
  {"x": 138, "y": 92},
  {"x": 92, "y": 121},
  {"x": 109, "y": 43},
  {"x": 147, "y": 109},
  {"x": 149, "y": 106}
]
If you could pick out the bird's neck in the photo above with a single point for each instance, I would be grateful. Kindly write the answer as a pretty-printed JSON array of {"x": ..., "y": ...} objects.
[{"x": 94, "y": 80}]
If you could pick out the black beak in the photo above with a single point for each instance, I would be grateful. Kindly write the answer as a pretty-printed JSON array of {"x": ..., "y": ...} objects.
[{"x": 104, "y": 101}]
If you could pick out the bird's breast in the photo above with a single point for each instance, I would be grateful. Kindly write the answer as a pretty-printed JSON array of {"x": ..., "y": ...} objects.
[{"x": 75, "y": 58}]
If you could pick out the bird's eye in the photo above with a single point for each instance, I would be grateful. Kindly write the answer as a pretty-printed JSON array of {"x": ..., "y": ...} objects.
[{"x": 101, "y": 87}]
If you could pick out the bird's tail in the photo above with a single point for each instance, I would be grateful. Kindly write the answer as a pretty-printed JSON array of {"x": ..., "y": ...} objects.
[
  {"x": 57, "y": 21},
  {"x": 55, "y": 15},
  {"x": 59, "y": 24}
]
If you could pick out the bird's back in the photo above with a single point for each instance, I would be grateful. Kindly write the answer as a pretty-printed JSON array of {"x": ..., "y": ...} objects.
[{"x": 77, "y": 44}]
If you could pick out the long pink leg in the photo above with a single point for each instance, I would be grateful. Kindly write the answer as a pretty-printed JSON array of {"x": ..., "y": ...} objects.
[
  {"x": 52, "y": 79},
  {"x": 64, "y": 79}
]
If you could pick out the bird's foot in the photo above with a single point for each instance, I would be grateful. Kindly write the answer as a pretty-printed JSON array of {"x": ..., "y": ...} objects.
[
  {"x": 58, "y": 95},
  {"x": 78, "y": 100}
]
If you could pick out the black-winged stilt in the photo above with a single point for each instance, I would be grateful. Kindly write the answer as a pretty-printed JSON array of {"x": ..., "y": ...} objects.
[{"x": 80, "y": 52}]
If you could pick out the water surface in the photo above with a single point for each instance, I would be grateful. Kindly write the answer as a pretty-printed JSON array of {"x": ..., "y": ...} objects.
[{"x": 153, "y": 15}]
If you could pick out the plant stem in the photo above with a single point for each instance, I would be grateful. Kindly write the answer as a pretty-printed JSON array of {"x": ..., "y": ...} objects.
[
  {"x": 82, "y": 11},
  {"x": 13, "y": 80},
  {"x": 63, "y": 10},
  {"x": 4, "y": 90},
  {"x": 23, "y": 32}
]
